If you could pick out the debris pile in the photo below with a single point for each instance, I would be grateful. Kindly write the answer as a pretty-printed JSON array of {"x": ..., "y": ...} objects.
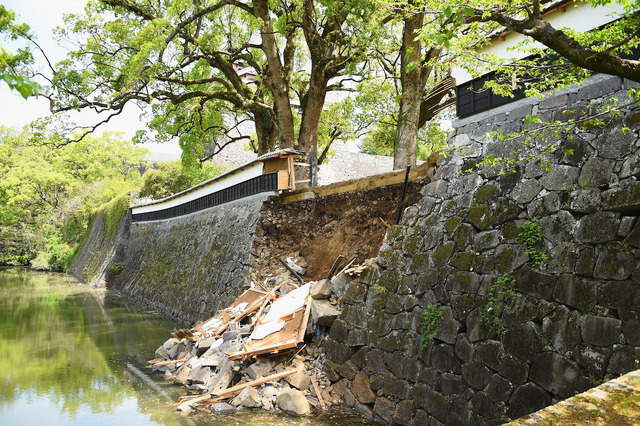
[{"x": 262, "y": 350}]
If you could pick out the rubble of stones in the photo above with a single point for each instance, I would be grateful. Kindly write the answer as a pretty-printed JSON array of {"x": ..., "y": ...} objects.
[{"x": 203, "y": 366}]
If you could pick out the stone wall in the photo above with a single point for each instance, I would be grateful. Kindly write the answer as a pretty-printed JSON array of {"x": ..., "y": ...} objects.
[
  {"x": 191, "y": 266},
  {"x": 514, "y": 336}
]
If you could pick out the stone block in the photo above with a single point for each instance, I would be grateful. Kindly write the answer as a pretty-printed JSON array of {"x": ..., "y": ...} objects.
[
  {"x": 624, "y": 359},
  {"x": 598, "y": 228},
  {"x": 625, "y": 198},
  {"x": 534, "y": 283},
  {"x": 463, "y": 349},
  {"x": 394, "y": 388},
  {"x": 299, "y": 380},
  {"x": 631, "y": 166},
  {"x": 561, "y": 329},
  {"x": 477, "y": 329},
  {"x": 361, "y": 390},
  {"x": 586, "y": 261},
  {"x": 584, "y": 200},
  {"x": 384, "y": 408},
  {"x": 525, "y": 191},
  {"x": 601, "y": 331},
  {"x": 453, "y": 384},
  {"x": 294, "y": 402},
  {"x": 339, "y": 284},
  {"x": 596, "y": 172},
  {"x": 561, "y": 259},
  {"x": 523, "y": 341},
  {"x": 260, "y": 368},
  {"x": 499, "y": 389},
  {"x": 558, "y": 227},
  {"x": 448, "y": 328},
  {"x": 593, "y": 359},
  {"x": 557, "y": 375},
  {"x": 486, "y": 240},
  {"x": 630, "y": 327},
  {"x": 463, "y": 282},
  {"x": 443, "y": 359},
  {"x": 626, "y": 226},
  {"x": 513, "y": 369},
  {"x": 619, "y": 295},
  {"x": 248, "y": 398},
  {"x": 526, "y": 399},
  {"x": 476, "y": 374},
  {"x": 403, "y": 413},
  {"x": 613, "y": 144},
  {"x": 375, "y": 362},
  {"x": 490, "y": 352},
  {"x": 633, "y": 239},
  {"x": 324, "y": 313},
  {"x": 321, "y": 289},
  {"x": 560, "y": 178},
  {"x": 614, "y": 264}
]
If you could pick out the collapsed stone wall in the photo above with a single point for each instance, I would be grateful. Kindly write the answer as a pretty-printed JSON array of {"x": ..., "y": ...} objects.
[
  {"x": 191, "y": 266},
  {"x": 351, "y": 224},
  {"x": 514, "y": 336}
]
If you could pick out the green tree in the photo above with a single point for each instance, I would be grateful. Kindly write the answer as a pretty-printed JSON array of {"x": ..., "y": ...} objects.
[
  {"x": 11, "y": 65},
  {"x": 183, "y": 59},
  {"x": 47, "y": 195},
  {"x": 171, "y": 177}
]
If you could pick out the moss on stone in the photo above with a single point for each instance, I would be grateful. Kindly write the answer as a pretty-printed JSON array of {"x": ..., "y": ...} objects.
[
  {"x": 394, "y": 232},
  {"x": 442, "y": 253},
  {"x": 486, "y": 194},
  {"x": 479, "y": 216},
  {"x": 412, "y": 244},
  {"x": 463, "y": 260},
  {"x": 504, "y": 260},
  {"x": 510, "y": 230},
  {"x": 451, "y": 224}
]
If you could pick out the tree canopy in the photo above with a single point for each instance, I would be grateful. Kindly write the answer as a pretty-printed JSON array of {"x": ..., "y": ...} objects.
[{"x": 47, "y": 195}]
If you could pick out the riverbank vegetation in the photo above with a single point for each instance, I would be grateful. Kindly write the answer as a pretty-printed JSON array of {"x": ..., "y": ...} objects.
[{"x": 47, "y": 195}]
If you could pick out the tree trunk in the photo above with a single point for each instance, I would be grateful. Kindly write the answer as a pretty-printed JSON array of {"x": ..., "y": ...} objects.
[
  {"x": 265, "y": 131},
  {"x": 405, "y": 146},
  {"x": 275, "y": 77},
  {"x": 312, "y": 104}
]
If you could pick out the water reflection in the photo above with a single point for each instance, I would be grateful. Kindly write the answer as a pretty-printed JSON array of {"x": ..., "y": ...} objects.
[{"x": 71, "y": 355}]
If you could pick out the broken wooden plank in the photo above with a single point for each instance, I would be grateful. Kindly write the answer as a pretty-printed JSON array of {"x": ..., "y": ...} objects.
[
  {"x": 335, "y": 266},
  {"x": 256, "y": 382},
  {"x": 317, "y": 390},
  {"x": 263, "y": 350},
  {"x": 175, "y": 361},
  {"x": 305, "y": 318}
]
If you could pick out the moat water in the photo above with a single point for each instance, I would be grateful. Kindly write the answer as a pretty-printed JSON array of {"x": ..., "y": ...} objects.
[{"x": 71, "y": 355}]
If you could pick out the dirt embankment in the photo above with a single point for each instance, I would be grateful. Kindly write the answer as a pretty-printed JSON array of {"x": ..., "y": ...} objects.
[{"x": 352, "y": 224}]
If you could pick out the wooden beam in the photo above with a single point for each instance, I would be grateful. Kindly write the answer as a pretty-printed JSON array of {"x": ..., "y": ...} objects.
[
  {"x": 315, "y": 388},
  {"x": 254, "y": 383}
]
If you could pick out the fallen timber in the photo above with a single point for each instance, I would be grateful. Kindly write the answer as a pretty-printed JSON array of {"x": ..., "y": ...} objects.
[{"x": 253, "y": 353}]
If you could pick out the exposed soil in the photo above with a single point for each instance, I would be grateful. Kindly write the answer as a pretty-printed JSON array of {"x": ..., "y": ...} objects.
[{"x": 351, "y": 224}]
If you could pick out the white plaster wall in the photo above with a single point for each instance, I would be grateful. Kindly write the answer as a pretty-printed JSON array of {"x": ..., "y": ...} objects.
[
  {"x": 203, "y": 189},
  {"x": 579, "y": 17}
]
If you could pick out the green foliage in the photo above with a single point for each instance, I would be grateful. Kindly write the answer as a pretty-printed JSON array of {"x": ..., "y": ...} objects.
[
  {"x": 47, "y": 195},
  {"x": 530, "y": 234},
  {"x": 376, "y": 121},
  {"x": 117, "y": 268},
  {"x": 501, "y": 292},
  {"x": 10, "y": 65},
  {"x": 172, "y": 177},
  {"x": 113, "y": 212},
  {"x": 431, "y": 319}
]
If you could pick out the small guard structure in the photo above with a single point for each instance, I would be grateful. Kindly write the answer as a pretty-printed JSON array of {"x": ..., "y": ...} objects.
[{"x": 270, "y": 173}]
